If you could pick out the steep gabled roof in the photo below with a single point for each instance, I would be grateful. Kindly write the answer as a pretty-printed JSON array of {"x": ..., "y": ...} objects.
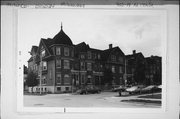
[
  {"x": 135, "y": 55},
  {"x": 95, "y": 50},
  {"x": 48, "y": 42},
  {"x": 106, "y": 53},
  {"x": 30, "y": 59},
  {"x": 34, "y": 49},
  {"x": 82, "y": 47}
]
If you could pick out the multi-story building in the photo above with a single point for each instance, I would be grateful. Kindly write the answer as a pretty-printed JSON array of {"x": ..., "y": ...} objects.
[
  {"x": 62, "y": 65},
  {"x": 142, "y": 70},
  {"x": 153, "y": 70},
  {"x": 135, "y": 68}
]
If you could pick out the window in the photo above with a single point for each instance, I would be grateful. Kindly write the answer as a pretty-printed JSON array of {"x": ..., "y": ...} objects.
[
  {"x": 120, "y": 69},
  {"x": 58, "y": 78},
  {"x": 58, "y": 63},
  {"x": 120, "y": 59},
  {"x": 99, "y": 56},
  {"x": 89, "y": 80},
  {"x": 76, "y": 65},
  {"x": 82, "y": 56},
  {"x": 72, "y": 53},
  {"x": 34, "y": 68},
  {"x": 66, "y": 51},
  {"x": 43, "y": 53},
  {"x": 89, "y": 55},
  {"x": 113, "y": 69},
  {"x": 66, "y": 79},
  {"x": 96, "y": 67},
  {"x": 44, "y": 65},
  {"x": 58, "y": 88},
  {"x": 66, "y": 64},
  {"x": 113, "y": 58},
  {"x": 44, "y": 80},
  {"x": 82, "y": 78},
  {"x": 82, "y": 66},
  {"x": 58, "y": 50},
  {"x": 89, "y": 66},
  {"x": 95, "y": 56},
  {"x": 67, "y": 88},
  {"x": 50, "y": 74}
]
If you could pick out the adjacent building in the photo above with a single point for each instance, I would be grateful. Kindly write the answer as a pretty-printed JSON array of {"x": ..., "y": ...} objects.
[
  {"x": 143, "y": 70},
  {"x": 153, "y": 70},
  {"x": 135, "y": 67}
]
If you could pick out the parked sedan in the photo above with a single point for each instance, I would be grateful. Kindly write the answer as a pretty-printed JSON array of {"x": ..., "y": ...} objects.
[
  {"x": 149, "y": 89},
  {"x": 81, "y": 91},
  {"x": 118, "y": 88},
  {"x": 93, "y": 89},
  {"x": 134, "y": 89},
  {"x": 88, "y": 90}
]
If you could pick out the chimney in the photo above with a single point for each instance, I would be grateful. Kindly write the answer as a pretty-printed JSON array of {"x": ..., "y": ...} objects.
[
  {"x": 134, "y": 51},
  {"x": 110, "y": 46}
]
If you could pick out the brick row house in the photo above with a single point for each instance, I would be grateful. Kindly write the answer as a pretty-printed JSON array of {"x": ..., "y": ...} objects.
[
  {"x": 143, "y": 70},
  {"x": 65, "y": 65},
  {"x": 153, "y": 70}
]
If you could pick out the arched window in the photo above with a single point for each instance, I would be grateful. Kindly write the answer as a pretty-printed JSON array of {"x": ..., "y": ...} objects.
[
  {"x": 66, "y": 79},
  {"x": 58, "y": 78},
  {"x": 66, "y": 64}
]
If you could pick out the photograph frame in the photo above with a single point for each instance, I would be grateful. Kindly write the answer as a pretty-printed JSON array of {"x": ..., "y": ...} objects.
[{"x": 20, "y": 109}]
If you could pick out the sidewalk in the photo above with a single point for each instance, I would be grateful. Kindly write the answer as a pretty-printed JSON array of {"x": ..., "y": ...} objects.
[{"x": 142, "y": 99}]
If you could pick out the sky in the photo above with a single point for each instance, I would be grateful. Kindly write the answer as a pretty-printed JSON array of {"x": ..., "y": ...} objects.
[{"x": 130, "y": 30}]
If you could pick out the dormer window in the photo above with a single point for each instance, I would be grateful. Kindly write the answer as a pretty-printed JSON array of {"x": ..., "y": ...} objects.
[
  {"x": 58, "y": 50},
  {"x": 113, "y": 58},
  {"x": 66, "y": 51},
  {"x": 43, "y": 53}
]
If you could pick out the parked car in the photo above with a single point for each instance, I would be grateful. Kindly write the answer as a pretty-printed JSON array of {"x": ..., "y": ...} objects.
[
  {"x": 81, "y": 91},
  {"x": 149, "y": 89},
  {"x": 93, "y": 89},
  {"x": 88, "y": 90},
  {"x": 134, "y": 89},
  {"x": 119, "y": 88}
]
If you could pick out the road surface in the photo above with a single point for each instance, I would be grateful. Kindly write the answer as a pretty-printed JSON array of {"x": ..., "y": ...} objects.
[{"x": 104, "y": 99}]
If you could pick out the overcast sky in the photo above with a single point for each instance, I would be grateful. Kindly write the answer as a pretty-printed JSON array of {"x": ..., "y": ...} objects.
[{"x": 129, "y": 30}]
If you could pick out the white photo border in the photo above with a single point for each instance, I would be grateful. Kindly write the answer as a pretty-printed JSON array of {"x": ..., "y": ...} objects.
[{"x": 17, "y": 86}]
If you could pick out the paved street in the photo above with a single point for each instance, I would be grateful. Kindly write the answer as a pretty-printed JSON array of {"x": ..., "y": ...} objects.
[{"x": 104, "y": 99}]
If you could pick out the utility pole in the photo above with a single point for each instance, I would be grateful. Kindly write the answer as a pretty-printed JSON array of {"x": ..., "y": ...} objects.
[
  {"x": 125, "y": 74},
  {"x": 40, "y": 73}
]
